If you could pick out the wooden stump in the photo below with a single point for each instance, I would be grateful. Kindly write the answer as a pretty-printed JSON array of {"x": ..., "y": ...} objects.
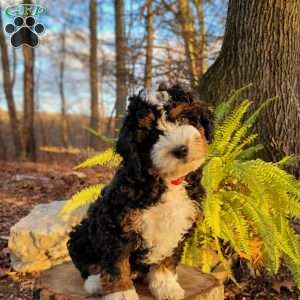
[{"x": 63, "y": 282}]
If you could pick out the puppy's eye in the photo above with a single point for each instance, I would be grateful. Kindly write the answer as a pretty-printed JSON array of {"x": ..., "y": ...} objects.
[
  {"x": 197, "y": 139},
  {"x": 183, "y": 120}
]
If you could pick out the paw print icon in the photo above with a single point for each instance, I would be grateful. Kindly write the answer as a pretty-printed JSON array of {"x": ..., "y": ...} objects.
[{"x": 24, "y": 31}]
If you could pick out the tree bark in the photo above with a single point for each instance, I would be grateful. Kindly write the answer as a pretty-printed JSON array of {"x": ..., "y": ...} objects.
[
  {"x": 262, "y": 46},
  {"x": 61, "y": 81},
  {"x": 8, "y": 90},
  {"x": 3, "y": 150},
  {"x": 94, "y": 119},
  {"x": 188, "y": 32},
  {"x": 121, "y": 54},
  {"x": 201, "y": 55},
  {"x": 28, "y": 105},
  {"x": 149, "y": 46}
]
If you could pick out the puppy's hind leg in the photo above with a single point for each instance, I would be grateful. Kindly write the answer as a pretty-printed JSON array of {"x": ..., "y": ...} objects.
[
  {"x": 93, "y": 286},
  {"x": 118, "y": 287}
]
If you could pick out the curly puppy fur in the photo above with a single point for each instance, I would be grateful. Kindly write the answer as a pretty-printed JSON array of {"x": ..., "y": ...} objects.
[{"x": 137, "y": 227}]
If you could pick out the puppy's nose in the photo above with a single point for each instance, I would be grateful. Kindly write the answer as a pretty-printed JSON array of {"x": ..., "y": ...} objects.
[{"x": 180, "y": 152}]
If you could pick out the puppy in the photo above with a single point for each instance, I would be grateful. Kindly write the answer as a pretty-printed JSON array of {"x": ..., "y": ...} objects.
[{"x": 138, "y": 226}]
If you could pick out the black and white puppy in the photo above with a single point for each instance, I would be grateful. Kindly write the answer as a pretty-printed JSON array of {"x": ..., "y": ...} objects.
[{"x": 137, "y": 227}]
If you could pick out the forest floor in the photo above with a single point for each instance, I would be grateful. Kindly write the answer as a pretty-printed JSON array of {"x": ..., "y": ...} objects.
[{"x": 24, "y": 184}]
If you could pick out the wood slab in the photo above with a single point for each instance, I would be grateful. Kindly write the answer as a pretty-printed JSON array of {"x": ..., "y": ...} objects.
[{"x": 63, "y": 282}]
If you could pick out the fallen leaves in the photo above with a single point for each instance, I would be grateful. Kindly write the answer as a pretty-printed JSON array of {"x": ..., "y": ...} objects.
[{"x": 22, "y": 186}]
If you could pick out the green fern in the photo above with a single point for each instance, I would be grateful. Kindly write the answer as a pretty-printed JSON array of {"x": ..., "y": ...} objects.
[
  {"x": 83, "y": 198},
  {"x": 108, "y": 158},
  {"x": 247, "y": 199}
]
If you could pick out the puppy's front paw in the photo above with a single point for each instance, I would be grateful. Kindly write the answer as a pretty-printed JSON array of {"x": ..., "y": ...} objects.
[
  {"x": 164, "y": 286},
  {"x": 122, "y": 295},
  {"x": 92, "y": 285}
]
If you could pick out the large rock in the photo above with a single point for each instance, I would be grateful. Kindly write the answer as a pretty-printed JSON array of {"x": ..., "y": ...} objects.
[{"x": 38, "y": 241}]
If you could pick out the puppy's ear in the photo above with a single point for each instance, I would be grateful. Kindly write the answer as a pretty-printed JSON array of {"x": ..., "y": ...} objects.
[
  {"x": 163, "y": 87},
  {"x": 127, "y": 148},
  {"x": 135, "y": 129},
  {"x": 207, "y": 120},
  {"x": 126, "y": 144},
  {"x": 180, "y": 94}
]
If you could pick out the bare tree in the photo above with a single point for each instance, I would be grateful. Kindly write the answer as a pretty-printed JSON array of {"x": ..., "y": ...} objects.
[
  {"x": 121, "y": 79},
  {"x": 28, "y": 104},
  {"x": 262, "y": 46},
  {"x": 149, "y": 46},
  {"x": 8, "y": 90},
  {"x": 188, "y": 32},
  {"x": 201, "y": 54},
  {"x": 94, "y": 119},
  {"x": 189, "y": 23},
  {"x": 64, "y": 119}
]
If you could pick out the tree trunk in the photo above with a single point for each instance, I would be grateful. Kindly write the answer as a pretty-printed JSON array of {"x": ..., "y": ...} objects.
[
  {"x": 56, "y": 284},
  {"x": 3, "y": 150},
  {"x": 28, "y": 88},
  {"x": 94, "y": 120},
  {"x": 201, "y": 55},
  {"x": 188, "y": 32},
  {"x": 28, "y": 117},
  {"x": 120, "y": 63},
  {"x": 262, "y": 46},
  {"x": 64, "y": 118},
  {"x": 8, "y": 90},
  {"x": 149, "y": 47}
]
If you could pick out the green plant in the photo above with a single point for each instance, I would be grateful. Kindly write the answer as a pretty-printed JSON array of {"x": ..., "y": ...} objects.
[
  {"x": 248, "y": 203},
  {"x": 107, "y": 158}
]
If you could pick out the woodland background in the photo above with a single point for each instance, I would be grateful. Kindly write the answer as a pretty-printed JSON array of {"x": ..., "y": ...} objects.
[
  {"x": 92, "y": 55},
  {"x": 95, "y": 53}
]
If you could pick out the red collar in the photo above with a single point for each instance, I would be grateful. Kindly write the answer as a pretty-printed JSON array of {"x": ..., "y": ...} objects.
[{"x": 177, "y": 181}]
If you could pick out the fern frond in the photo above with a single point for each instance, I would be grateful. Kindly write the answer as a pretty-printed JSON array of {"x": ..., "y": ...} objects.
[
  {"x": 250, "y": 152},
  {"x": 288, "y": 160},
  {"x": 213, "y": 173},
  {"x": 293, "y": 207},
  {"x": 252, "y": 119},
  {"x": 108, "y": 158},
  {"x": 212, "y": 209},
  {"x": 224, "y": 261},
  {"x": 82, "y": 198},
  {"x": 267, "y": 230},
  {"x": 239, "y": 229},
  {"x": 224, "y": 133},
  {"x": 274, "y": 176},
  {"x": 212, "y": 176},
  {"x": 291, "y": 240},
  {"x": 225, "y": 106},
  {"x": 105, "y": 139},
  {"x": 237, "y": 150}
]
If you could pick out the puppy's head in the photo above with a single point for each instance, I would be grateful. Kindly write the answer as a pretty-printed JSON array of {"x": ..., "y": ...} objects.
[
  {"x": 186, "y": 129},
  {"x": 139, "y": 131},
  {"x": 179, "y": 150},
  {"x": 165, "y": 131}
]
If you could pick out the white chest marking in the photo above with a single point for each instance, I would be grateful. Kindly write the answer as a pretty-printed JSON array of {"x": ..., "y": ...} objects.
[{"x": 163, "y": 225}]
